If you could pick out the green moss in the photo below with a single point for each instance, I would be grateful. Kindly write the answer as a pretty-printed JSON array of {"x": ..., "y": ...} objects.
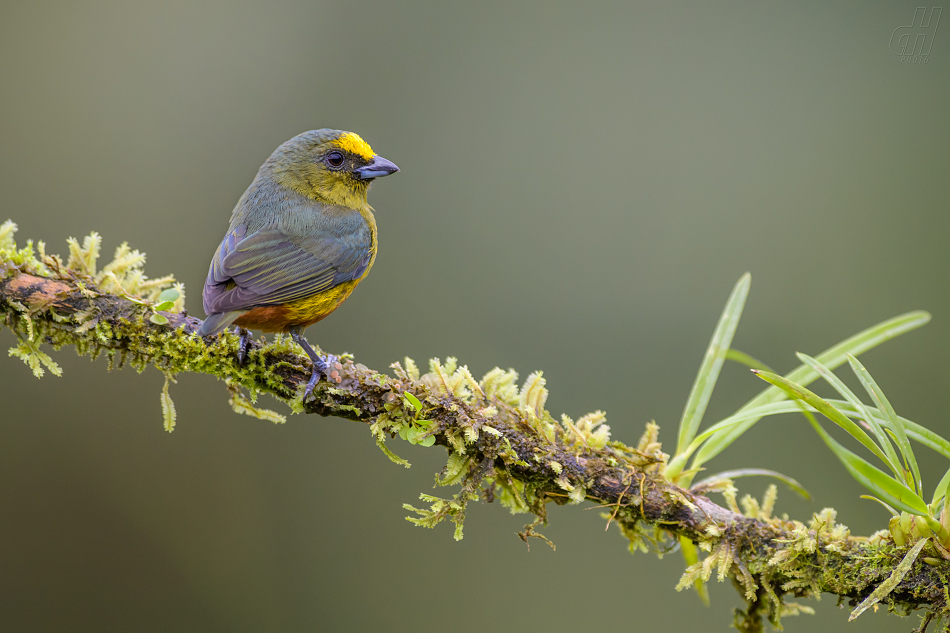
[
  {"x": 36, "y": 360},
  {"x": 500, "y": 441}
]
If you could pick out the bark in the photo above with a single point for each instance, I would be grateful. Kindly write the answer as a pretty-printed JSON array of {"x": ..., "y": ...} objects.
[{"x": 506, "y": 451}]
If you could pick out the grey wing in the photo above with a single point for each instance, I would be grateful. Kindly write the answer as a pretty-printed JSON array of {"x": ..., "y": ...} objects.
[{"x": 271, "y": 268}]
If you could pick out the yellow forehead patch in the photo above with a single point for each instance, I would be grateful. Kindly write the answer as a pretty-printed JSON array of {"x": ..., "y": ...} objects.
[{"x": 352, "y": 143}]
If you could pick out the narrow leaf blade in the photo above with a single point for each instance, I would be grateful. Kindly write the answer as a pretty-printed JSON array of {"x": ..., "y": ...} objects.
[
  {"x": 774, "y": 408},
  {"x": 888, "y": 489},
  {"x": 892, "y": 581},
  {"x": 822, "y": 406},
  {"x": 833, "y": 357},
  {"x": 942, "y": 488},
  {"x": 884, "y": 406},
  {"x": 883, "y": 440},
  {"x": 886, "y": 507},
  {"x": 745, "y": 359},
  {"x": 750, "y": 472},
  {"x": 712, "y": 363},
  {"x": 916, "y": 432}
]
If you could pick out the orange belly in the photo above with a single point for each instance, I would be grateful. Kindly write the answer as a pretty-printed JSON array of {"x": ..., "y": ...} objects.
[{"x": 299, "y": 313}]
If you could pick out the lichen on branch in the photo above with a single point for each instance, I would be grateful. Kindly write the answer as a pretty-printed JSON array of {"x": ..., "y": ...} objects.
[{"x": 502, "y": 443}]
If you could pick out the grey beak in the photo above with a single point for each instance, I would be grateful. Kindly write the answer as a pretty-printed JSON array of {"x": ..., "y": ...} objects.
[{"x": 377, "y": 168}]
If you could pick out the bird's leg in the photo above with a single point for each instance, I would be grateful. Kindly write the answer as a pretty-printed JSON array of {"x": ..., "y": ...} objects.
[
  {"x": 244, "y": 344},
  {"x": 321, "y": 364}
]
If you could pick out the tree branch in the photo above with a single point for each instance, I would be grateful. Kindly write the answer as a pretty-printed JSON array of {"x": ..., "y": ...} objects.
[{"x": 502, "y": 445}]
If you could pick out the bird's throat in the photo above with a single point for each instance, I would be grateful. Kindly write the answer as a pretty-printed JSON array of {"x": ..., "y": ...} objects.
[{"x": 324, "y": 187}]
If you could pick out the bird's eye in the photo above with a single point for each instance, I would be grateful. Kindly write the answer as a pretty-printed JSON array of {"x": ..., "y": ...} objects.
[{"x": 335, "y": 159}]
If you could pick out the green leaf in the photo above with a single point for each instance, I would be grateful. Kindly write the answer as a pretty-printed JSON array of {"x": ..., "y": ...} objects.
[
  {"x": 165, "y": 305},
  {"x": 821, "y": 405},
  {"x": 831, "y": 358},
  {"x": 428, "y": 440},
  {"x": 882, "y": 439},
  {"x": 946, "y": 505},
  {"x": 941, "y": 492},
  {"x": 169, "y": 295},
  {"x": 890, "y": 490},
  {"x": 676, "y": 465},
  {"x": 749, "y": 472},
  {"x": 744, "y": 359},
  {"x": 892, "y": 581},
  {"x": 887, "y": 507},
  {"x": 916, "y": 432},
  {"x": 158, "y": 319},
  {"x": 884, "y": 406},
  {"x": 712, "y": 363},
  {"x": 412, "y": 400}
]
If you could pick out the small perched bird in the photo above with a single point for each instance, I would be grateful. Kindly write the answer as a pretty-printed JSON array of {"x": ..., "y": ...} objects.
[{"x": 301, "y": 237}]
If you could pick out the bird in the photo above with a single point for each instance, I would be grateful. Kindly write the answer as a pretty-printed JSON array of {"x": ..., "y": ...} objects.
[{"x": 300, "y": 239}]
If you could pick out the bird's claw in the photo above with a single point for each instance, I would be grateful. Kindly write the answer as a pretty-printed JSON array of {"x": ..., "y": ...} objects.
[
  {"x": 244, "y": 344},
  {"x": 327, "y": 365},
  {"x": 314, "y": 377}
]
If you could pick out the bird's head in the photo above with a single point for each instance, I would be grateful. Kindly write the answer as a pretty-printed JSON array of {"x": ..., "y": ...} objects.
[{"x": 330, "y": 166}]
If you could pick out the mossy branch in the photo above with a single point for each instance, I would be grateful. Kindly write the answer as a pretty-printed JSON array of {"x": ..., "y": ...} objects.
[{"x": 502, "y": 443}]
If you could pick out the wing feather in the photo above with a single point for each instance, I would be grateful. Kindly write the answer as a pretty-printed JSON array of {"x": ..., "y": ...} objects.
[{"x": 271, "y": 268}]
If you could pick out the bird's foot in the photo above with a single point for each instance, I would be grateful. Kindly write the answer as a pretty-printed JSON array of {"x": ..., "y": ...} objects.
[
  {"x": 327, "y": 365},
  {"x": 244, "y": 344}
]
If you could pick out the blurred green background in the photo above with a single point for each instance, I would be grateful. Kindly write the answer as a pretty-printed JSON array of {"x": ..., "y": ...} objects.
[{"x": 580, "y": 189}]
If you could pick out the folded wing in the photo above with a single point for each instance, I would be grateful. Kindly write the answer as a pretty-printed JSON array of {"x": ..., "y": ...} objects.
[{"x": 271, "y": 268}]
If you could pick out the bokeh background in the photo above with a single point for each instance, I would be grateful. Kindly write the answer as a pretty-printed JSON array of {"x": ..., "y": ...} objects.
[{"x": 581, "y": 186}]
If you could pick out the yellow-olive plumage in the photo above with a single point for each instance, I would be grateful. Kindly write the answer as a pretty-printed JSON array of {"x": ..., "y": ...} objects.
[{"x": 301, "y": 238}]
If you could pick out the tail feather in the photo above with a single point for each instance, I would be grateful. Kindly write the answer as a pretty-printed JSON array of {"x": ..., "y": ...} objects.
[{"x": 215, "y": 323}]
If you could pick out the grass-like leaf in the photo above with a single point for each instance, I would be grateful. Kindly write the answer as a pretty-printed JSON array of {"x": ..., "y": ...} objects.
[
  {"x": 712, "y": 363},
  {"x": 832, "y": 358},
  {"x": 882, "y": 439},
  {"x": 823, "y": 407},
  {"x": 886, "y": 507},
  {"x": 890, "y": 490},
  {"x": 744, "y": 359},
  {"x": 895, "y": 423},
  {"x": 892, "y": 581},
  {"x": 676, "y": 465},
  {"x": 941, "y": 492},
  {"x": 750, "y": 472},
  {"x": 916, "y": 432}
]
